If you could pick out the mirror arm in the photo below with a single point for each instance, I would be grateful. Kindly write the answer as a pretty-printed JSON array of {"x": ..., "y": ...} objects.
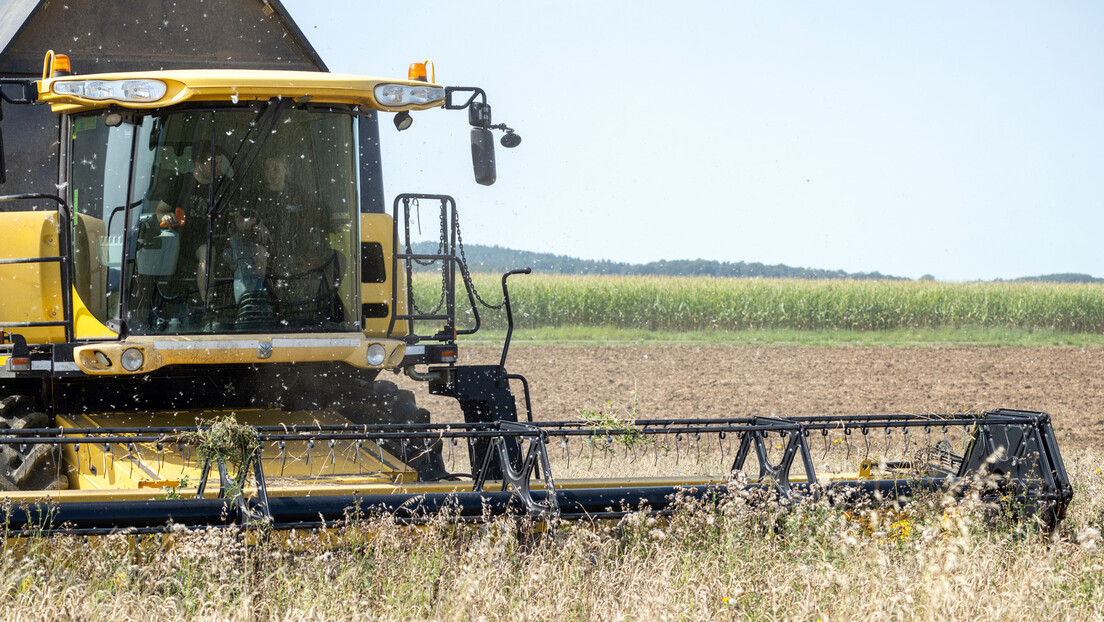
[
  {"x": 28, "y": 91},
  {"x": 474, "y": 92}
]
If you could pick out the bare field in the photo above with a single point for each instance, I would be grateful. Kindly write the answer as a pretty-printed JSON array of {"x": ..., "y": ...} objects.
[
  {"x": 940, "y": 560},
  {"x": 717, "y": 381}
]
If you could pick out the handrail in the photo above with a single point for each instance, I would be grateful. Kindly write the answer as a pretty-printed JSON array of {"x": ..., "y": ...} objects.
[
  {"x": 450, "y": 261},
  {"x": 509, "y": 312}
]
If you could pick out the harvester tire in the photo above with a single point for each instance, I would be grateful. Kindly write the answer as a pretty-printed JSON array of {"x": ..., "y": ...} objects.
[
  {"x": 381, "y": 402},
  {"x": 31, "y": 466}
]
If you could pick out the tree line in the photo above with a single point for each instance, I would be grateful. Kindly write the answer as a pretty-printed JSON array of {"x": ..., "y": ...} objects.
[{"x": 496, "y": 259}]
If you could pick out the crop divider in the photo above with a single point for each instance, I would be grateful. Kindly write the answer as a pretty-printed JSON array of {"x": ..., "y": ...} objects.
[{"x": 778, "y": 475}]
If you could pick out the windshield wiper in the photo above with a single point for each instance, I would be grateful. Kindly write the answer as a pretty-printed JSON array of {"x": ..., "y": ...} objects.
[{"x": 254, "y": 140}]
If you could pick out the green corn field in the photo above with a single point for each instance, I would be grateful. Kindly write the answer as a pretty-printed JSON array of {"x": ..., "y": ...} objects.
[{"x": 702, "y": 304}]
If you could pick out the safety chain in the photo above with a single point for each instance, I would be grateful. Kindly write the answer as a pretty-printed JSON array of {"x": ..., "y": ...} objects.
[
  {"x": 464, "y": 272},
  {"x": 464, "y": 269},
  {"x": 424, "y": 262}
]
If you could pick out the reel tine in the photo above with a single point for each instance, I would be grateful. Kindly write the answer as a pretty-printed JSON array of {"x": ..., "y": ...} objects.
[
  {"x": 678, "y": 441},
  {"x": 888, "y": 441},
  {"x": 905, "y": 433},
  {"x": 283, "y": 456},
  {"x": 56, "y": 450},
  {"x": 333, "y": 458},
  {"x": 697, "y": 444},
  {"x": 824, "y": 434},
  {"x": 130, "y": 454},
  {"x": 847, "y": 441},
  {"x": 593, "y": 440},
  {"x": 77, "y": 452},
  {"x": 866, "y": 441}
]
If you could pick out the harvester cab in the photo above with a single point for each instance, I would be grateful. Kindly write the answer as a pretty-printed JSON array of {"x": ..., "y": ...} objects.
[{"x": 195, "y": 322}]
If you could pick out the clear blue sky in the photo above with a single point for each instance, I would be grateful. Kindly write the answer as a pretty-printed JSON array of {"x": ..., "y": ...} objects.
[{"x": 961, "y": 139}]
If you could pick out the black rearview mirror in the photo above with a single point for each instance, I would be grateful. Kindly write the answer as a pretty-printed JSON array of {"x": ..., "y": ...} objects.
[{"x": 483, "y": 156}]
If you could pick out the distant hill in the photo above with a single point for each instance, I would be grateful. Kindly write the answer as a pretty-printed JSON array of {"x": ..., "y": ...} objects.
[
  {"x": 1066, "y": 277},
  {"x": 496, "y": 259}
]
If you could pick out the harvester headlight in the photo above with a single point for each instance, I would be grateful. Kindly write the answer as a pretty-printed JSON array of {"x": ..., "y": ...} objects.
[
  {"x": 405, "y": 94},
  {"x": 132, "y": 359},
  {"x": 98, "y": 89},
  {"x": 376, "y": 354},
  {"x": 144, "y": 90}
]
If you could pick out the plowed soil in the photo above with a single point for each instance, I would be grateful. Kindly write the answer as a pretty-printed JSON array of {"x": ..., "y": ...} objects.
[{"x": 715, "y": 381}]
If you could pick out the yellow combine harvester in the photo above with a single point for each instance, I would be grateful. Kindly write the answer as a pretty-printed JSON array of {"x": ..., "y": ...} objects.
[{"x": 217, "y": 247}]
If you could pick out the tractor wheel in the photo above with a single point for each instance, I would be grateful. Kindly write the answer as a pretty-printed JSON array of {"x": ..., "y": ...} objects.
[
  {"x": 31, "y": 466},
  {"x": 381, "y": 402}
]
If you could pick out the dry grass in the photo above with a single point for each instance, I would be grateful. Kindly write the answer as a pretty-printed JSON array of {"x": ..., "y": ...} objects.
[{"x": 732, "y": 562}]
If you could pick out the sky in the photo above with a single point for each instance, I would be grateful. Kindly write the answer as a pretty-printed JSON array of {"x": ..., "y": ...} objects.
[{"x": 959, "y": 139}]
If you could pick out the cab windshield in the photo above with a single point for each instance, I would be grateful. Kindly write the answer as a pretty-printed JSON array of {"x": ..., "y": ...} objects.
[{"x": 239, "y": 219}]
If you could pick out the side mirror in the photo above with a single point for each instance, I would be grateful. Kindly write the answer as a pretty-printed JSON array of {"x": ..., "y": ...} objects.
[{"x": 483, "y": 156}]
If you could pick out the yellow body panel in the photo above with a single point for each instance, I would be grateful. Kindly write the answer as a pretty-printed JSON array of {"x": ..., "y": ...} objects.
[
  {"x": 232, "y": 85},
  {"x": 85, "y": 324},
  {"x": 90, "y": 279},
  {"x": 378, "y": 228},
  {"x": 161, "y": 350},
  {"x": 32, "y": 291},
  {"x": 144, "y": 470}
]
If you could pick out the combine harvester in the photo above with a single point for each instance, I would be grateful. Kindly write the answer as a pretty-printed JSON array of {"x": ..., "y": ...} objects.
[{"x": 195, "y": 325}]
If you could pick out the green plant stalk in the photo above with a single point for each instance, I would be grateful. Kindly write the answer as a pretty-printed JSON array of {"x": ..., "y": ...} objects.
[{"x": 703, "y": 304}]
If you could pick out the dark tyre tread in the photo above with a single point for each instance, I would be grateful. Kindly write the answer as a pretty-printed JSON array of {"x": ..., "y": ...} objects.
[
  {"x": 382, "y": 402},
  {"x": 27, "y": 467}
]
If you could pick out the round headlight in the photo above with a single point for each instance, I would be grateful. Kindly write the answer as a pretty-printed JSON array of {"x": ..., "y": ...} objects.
[
  {"x": 376, "y": 354},
  {"x": 132, "y": 359}
]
